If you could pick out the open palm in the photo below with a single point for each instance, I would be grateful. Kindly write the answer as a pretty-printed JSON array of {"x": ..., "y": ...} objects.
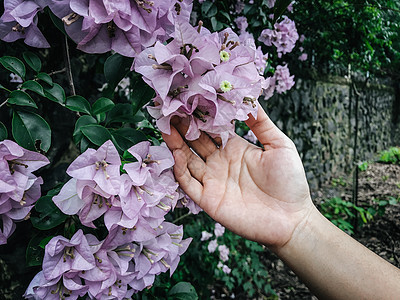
[{"x": 260, "y": 194}]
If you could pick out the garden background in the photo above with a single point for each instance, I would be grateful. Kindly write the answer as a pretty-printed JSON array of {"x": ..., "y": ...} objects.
[{"x": 343, "y": 113}]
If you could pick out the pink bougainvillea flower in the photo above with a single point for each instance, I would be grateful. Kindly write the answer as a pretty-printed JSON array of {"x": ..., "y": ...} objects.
[
  {"x": 208, "y": 79},
  {"x": 127, "y": 27},
  {"x": 283, "y": 78},
  {"x": 219, "y": 230},
  {"x": 19, "y": 21},
  {"x": 100, "y": 166},
  {"x": 223, "y": 252},
  {"x": 7, "y": 229},
  {"x": 161, "y": 253},
  {"x": 63, "y": 255},
  {"x": 283, "y": 36},
  {"x": 150, "y": 160},
  {"x": 68, "y": 286},
  {"x": 205, "y": 236},
  {"x": 303, "y": 57},
  {"x": 68, "y": 200},
  {"x": 19, "y": 188}
]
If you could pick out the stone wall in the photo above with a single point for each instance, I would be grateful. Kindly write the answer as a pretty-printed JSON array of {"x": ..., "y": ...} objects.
[{"x": 336, "y": 123}]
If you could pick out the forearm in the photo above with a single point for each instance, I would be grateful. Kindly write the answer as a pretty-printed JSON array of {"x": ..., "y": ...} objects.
[{"x": 335, "y": 266}]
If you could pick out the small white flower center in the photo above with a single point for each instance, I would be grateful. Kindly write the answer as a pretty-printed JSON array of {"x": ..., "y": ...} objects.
[
  {"x": 225, "y": 86},
  {"x": 224, "y": 55}
]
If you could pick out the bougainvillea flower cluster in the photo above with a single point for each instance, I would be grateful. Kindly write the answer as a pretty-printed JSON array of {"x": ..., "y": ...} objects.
[
  {"x": 209, "y": 79},
  {"x": 19, "y": 187},
  {"x": 213, "y": 246},
  {"x": 114, "y": 268},
  {"x": 140, "y": 244},
  {"x": 283, "y": 36},
  {"x": 284, "y": 80},
  {"x": 19, "y": 21},
  {"x": 126, "y": 26},
  {"x": 97, "y": 26}
]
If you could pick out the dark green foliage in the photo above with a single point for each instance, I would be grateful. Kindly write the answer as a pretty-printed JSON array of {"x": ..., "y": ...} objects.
[
  {"x": 14, "y": 65},
  {"x": 363, "y": 34},
  {"x": 182, "y": 291},
  {"x": 342, "y": 213},
  {"x": 33, "y": 61},
  {"x": 49, "y": 214},
  {"x": 31, "y": 131},
  {"x": 249, "y": 277}
]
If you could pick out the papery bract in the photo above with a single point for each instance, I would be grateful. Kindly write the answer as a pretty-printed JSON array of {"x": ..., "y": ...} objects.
[
  {"x": 100, "y": 166},
  {"x": 209, "y": 79},
  {"x": 62, "y": 255},
  {"x": 127, "y": 27},
  {"x": 19, "y": 21}
]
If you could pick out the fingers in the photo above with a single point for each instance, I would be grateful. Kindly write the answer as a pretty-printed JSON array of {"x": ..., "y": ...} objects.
[
  {"x": 203, "y": 146},
  {"x": 266, "y": 131},
  {"x": 189, "y": 184},
  {"x": 194, "y": 163}
]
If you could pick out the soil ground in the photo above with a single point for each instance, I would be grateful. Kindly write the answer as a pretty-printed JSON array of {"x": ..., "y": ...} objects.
[{"x": 381, "y": 235}]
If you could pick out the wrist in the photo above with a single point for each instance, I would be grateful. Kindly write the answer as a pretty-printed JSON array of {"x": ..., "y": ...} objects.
[{"x": 305, "y": 235}]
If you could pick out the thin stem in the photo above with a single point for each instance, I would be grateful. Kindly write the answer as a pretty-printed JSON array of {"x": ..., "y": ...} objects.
[
  {"x": 68, "y": 67},
  {"x": 181, "y": 217},
  {"x": 57, "y": 72},
  {"x": 2, "y": 104}
]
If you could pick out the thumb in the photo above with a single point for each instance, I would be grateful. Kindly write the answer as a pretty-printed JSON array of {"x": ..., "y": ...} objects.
[{"x": 266, "y": 131}]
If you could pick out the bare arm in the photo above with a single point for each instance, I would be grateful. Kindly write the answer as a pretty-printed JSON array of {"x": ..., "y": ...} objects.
[
  {"x": 335, "y": 266},
  {"x": 263, "y": 195}
]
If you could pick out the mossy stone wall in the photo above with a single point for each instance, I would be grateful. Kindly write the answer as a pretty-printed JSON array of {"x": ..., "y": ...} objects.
[{"x": 336, "y": 123}]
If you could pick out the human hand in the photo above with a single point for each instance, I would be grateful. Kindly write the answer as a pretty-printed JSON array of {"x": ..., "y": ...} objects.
[{"x": 260, "y": 194}]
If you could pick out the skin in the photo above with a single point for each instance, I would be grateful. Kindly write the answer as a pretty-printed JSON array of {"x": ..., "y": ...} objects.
[{"x": 263, "y": 195}]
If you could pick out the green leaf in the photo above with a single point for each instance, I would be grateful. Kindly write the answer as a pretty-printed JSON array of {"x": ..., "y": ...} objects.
[
  {"x": 115, "y": 68},
  {"x": 55, "y": 93},
  {"x": 45, "y": 78},
  {"x": 4, "y": 88},
  {"x": 121, "y": 112},
  {"x": 56, "y": 21},
  {"x": 3, "y": 132},
  {"x": 34, "y": 253},
  {"x": 14, "y": 65},
  {"x": 102, "y": 105},
  {"x": 85, "y": 144},
  {"x": 226, "y": 15},
  {"x": 280, "y": 7},
  {"x": 249, "y": 8},
  {"x": 33, "y": 86},
  {"x": 97, "y": 134},
  {"x": 216, "y": 25},
  {"x": 78, "y": 103},
  {"x": 183, "y": 291},
  {"x": 209, "y": 9},
  {"x": 142, "y": 94},
  {"x": 33, "y": 61},
  {"x": 21, "y": 98},
  {"x": 124, "y": 138},
  {"x": 31, "y": 131},
  {"x": 49, "y": 214},
  {"x": 82, "y": 121},
  {"x": 101, "y": 117},
  {"x": 45, "y": 241}
]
